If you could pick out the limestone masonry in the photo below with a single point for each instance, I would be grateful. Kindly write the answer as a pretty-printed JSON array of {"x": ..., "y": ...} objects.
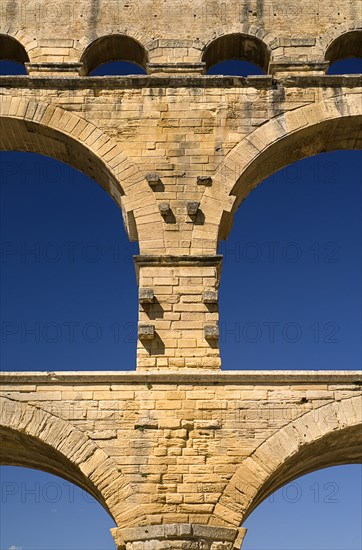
[{"x": 179, "y": 452}]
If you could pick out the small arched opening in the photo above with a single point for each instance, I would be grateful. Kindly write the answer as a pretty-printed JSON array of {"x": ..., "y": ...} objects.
[
  {"x": 236, "y": 54},
  {"x": 12, "y": 56},
  {"x": 345, "y": 54},
  {"x": 114, "y": 55}
]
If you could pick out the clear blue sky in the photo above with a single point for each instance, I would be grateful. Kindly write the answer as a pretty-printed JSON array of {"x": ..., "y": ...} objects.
[{"x": 290, "y": 298}]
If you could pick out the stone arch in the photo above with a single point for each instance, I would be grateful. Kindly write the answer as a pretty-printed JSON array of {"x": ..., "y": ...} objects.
[
  {"x": 321, "y": 127},
  {"x": 12, "y": 50},
  {"x": 245, "y": 47},
  {"x": 338, "y": 38},
  {"x": 27, "y": 41},
  {"x": 327, "y": 436},
  {"x": 346, "y": 45},
  {"x": 35, "y": 438},
  {"x": 113, "y": 47},
  {"x": 269, "y": 39},
  {"x": 28, "y": 125}
]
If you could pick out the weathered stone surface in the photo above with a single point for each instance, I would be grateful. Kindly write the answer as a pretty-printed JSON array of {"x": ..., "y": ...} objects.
[
  {"x": 211, "y": 332},
  {"x": 146, "y": 332},
  {"x": 210, "y": 297},
  {"x": 180, "y": 453},
  {"x": 177, "y": 450},
  {"x": 146, "y": 295},
  {"x": 164, "y": 208},
  {"x": 180, "y": 535},
  {"x": 176, "y": 136},
  {"x": 103, "y": 140}
]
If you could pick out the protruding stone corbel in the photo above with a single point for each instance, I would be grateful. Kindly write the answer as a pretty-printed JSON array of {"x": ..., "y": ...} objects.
[
  {"x": 153, "y": 179},
  {"x": 146, "y": 332},
  {"x": 204, "y": 180},
  {"x": 211, "y": 332},
  {"x": 192, "y": 208},
  {"x": 165, "y": 209},
  {"x": 210, "y": 297},
  {"x": 146, "y": 295}
]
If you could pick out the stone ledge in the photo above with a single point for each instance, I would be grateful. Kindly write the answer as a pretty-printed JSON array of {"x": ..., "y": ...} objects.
[
  {"x": 184, "y": 376},
  {"x": 183, "y": 532},
  {"x": 142, "y": 81},
  {"x": 198, "y": 261},
  {"x": 176, "y": 261},
  {"x": 136, "y": 81},
  {"x": 178, "y": 530},
  {"x": 176, "y": 68},
  {"x": 60, "y": 69}
]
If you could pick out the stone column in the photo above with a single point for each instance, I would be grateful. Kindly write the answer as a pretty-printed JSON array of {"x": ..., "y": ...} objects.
[
  {"x": 178, "y": 312},
  {"x": 178, "y": 536}
]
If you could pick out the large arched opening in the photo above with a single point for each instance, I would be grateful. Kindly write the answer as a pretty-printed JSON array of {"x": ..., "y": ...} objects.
[
  {"x": 35, "y": 438},
  {"x": 69, "y": 294},
  {"x": 290, "y": 285},
  {"x": 284, "y": 257},
  {"x": 62, "y": 234},
  {"x": 42, "y": 128},
  {"x": 28, "y": 133},
  {"x": 325, "y": 436},
  {"x": 295, "y": 135},
  {"x": 330, "y": 134},
  {"x": 54, "y": 512},
  {"x": 318, "y": 510}
]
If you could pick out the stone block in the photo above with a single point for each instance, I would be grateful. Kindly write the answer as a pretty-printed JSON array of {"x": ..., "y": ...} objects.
[
  {"x": 204, "y": 180},
  {"x": 146, "y": 295},
  {"x": 210, "y": 297},
  {"x": 192, "y": 208},
  {"x": 146, "y": 332},
  {"x": 211, "y": 332},
  {"x": 153, "y": 179},
  {"x": 164, "y": 208}
]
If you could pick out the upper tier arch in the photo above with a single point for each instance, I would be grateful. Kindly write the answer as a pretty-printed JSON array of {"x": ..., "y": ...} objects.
[
  {"x": 28, "y": 125},
  {"x": 12, "y": 50},
  {"x": 325, "y": 126},
  {"x": 348, "y": 44},
  {"x": 338, "y": 34},
  {"x": 113, "y": 47},
  {"x": 239, "y": 46}
]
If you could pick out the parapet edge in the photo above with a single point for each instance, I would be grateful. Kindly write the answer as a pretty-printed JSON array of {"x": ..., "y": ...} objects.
[{"x": 184, "y": 376}]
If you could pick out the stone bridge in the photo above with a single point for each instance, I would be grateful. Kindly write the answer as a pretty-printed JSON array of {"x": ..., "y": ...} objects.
[{"x": 180, "y": 453}]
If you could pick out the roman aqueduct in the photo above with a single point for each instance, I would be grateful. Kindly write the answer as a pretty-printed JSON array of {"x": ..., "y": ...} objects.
[{"x": 180, "y": 452}]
